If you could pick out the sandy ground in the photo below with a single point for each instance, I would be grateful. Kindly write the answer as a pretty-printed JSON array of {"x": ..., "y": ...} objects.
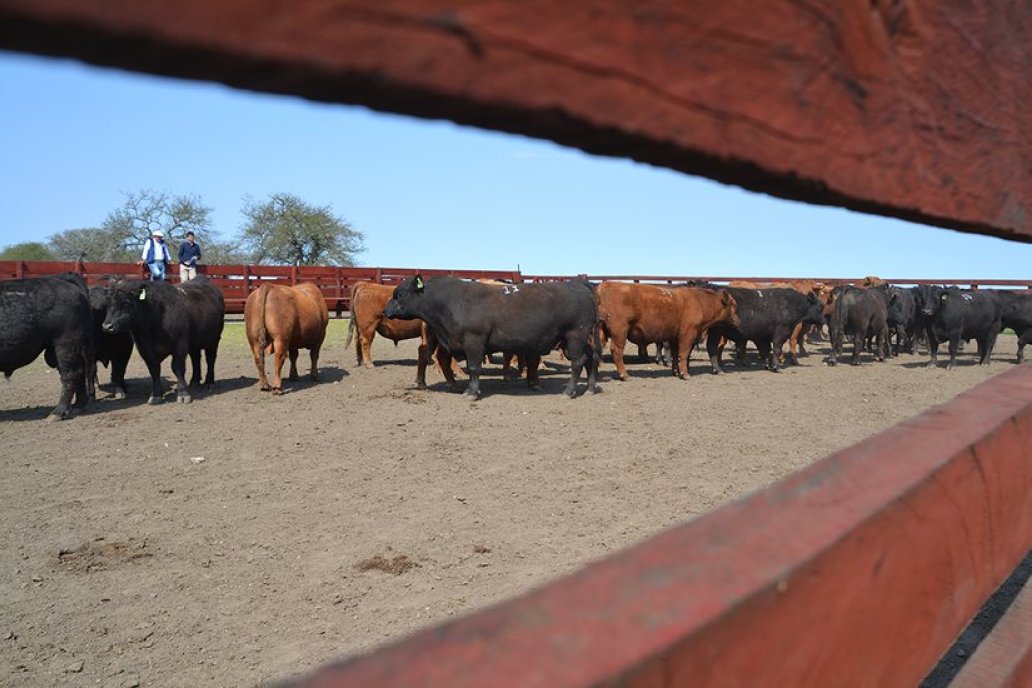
[{"x": 125, "y": 560}]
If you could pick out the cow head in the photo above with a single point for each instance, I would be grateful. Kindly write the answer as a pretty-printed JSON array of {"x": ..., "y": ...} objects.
[
  {"x": 124, "y": 301},
  {"x": 730, "y": 311},
  {"x": 929, "y": 298},
  {"x": 815, "y": 309},
  {"x": 407, "y": 299}
]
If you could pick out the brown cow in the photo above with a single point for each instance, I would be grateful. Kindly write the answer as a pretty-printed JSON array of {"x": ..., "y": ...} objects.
[
  {"x": 643, "y": 313},
  {"x": 280, "y": 320},
  {"x": 368, "y": 300}
]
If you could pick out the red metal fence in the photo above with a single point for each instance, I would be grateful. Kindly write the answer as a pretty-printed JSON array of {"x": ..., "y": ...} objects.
[{"x": 237, "y": 281}]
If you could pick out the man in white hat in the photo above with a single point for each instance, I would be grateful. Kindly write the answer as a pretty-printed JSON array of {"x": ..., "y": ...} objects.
[{"x": 156, "y": 256}]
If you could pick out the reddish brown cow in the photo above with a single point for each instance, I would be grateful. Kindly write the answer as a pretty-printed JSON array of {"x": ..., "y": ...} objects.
[
  {"x": 368, "y": 300},
  {"x": 281, "y": 320},
  {"x": 643, "y": 313}
]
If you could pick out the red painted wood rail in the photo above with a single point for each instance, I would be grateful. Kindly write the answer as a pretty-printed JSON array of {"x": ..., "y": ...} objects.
[
  {"x": 857, "y": 571},
  {"x": 1004, "y": 659},
  {"x": 916, "y": 109}
]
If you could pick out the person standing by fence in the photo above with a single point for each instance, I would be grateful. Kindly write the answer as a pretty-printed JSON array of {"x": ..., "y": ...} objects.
[
  {"x": 189, "y": 254},
  {"x": 156, "y": 256}
]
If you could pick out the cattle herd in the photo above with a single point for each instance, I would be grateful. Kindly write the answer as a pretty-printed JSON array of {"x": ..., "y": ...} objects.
[{"x": 75, "y": 327}]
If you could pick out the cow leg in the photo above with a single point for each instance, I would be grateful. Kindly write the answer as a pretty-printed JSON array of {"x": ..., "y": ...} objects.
[
  {"x": 616, "y": 348},
  {"x": 933, "y": 349},
  {"x": 508, "y": 372},
  {"x": 179, "y": 370},
  {"x": 364, "y": 347},
  {"x": 70, "y": 366},
  {"x": 990, "y": 344},
  {"x": 195, "y": 365},
  {"x": 293, "y": 353},
  {"x": 859, "y": 344},
  {"x": 422, "y": 360},
  {"x": 684, "y": 344},
  {"x": 154, "y": 368},
  {"x": 279, "y": 357},
  {"x": 954, "y": 346},
  {"x": 781, "y": 335},
  {"x": 795, "y": 344},
  {"x": 714, "y": 348},
  {"x": 475, "y": 363},
  {"x": 578, "y": 353},
  {"x": 258, "y": 352},
  {"x": 313, "y": 356},
  {"x": 118, "y": 366},
  {"x": 1024, "y": 339},
  {"x": 532, "y": 362},
  {"x": 643, "y": 352}
]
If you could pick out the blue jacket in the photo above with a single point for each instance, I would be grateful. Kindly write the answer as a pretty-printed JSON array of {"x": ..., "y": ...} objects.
[{"x": 189, "y": 254}]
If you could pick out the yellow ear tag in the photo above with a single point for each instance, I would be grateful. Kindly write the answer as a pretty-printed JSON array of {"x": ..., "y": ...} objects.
[
  {"x": 143, "y": 294},
  {"x": 419, "y": 283}
]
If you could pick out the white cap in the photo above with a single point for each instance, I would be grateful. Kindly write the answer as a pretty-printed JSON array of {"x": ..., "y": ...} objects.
[{"x": 158, "y": 233}]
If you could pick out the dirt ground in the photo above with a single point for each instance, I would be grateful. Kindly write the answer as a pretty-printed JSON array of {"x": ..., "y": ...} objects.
[{"x": 245, "y": 538}]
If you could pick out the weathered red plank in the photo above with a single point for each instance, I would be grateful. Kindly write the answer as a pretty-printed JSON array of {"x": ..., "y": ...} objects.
[
  {"x": 916, "y": 109},
  {"x": 1004, "y": 658},
  {"x": 857, "y": 571}
]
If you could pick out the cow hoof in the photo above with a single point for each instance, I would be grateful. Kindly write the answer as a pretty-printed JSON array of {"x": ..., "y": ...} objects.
[
  {"x": 265, "y": 388},
  {"x": 153, "y": 400},
  {"x": 472, "y": 396},
  {"x": 277, "y": 391},
  {"x": 367, "y": 365},
  {"x": 314, "y": 377},
  {"x": 183, "y": 398},
  {"x": 420, "y": 385},
  {"x": 119, "y": 394},
  {"x": 623, "y": 378}
]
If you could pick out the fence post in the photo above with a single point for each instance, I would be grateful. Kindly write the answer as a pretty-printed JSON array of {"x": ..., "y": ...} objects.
[
  {"x": 247, "y": 280},
  {"x": 19, "y": 270},
  {"x": 293, "y": 275},
  {"x": 379, "y": 275}
]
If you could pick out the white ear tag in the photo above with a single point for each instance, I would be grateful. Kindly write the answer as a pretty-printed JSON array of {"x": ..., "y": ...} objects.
[{"x": 143, "y": 294}]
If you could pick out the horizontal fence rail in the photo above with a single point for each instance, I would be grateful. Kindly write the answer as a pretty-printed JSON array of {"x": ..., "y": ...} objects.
[{"x": 237, "y": 281}]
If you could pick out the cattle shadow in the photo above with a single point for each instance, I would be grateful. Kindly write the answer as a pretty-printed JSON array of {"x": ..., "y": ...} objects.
[{"x": 32, "y": 413}]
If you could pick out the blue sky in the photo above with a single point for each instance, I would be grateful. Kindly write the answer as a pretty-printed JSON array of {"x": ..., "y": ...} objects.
[{"x": 425, "y": 193}]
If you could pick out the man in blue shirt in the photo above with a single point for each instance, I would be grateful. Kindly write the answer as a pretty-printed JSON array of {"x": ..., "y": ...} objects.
[
  {"x": 189, "y": 254},
  {"x": 155, "y": 255}
]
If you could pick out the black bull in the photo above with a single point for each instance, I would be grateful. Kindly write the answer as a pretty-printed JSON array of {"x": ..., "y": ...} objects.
[
  {"x": 169, "y": 320},
  {"x": 49, "y": 315},
  {"x": 471, "y": 320}
]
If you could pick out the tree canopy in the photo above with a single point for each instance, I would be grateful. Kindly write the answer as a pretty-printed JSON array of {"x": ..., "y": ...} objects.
[
  {"x": 287, "y": 230},
  {"x": 282, "y": 230},
  {"x": 29, "y": 250}
]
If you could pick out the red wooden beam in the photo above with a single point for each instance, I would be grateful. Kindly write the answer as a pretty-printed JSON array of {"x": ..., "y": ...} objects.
[
  {"x": 859, "y": 570},
  {"x": 915, "y": 109},
  {"x": 1004, "y": 658}
]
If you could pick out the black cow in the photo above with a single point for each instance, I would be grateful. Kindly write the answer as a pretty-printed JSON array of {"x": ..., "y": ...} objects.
[
  {"x": 113, "y": 349},
  {"x": 903, "y": 319},
  {"x": 470, "y": 320},
  {"x": 767, "y": 318},
  {"x": 1016, "y": 313},
  {"x": 955, "y": 314},
  {"x": 861, "y": 313},
  {"x": 168, "y": 319},
  {"x": 49, "y": 315}
]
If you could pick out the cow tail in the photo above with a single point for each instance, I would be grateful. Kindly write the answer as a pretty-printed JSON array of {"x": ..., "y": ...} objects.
[
  {"x": 263, "y": 334},
  {"x": 351, "y": 323}
]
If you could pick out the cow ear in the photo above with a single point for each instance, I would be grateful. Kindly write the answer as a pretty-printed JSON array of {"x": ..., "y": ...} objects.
[
  {"x": 419, "y": 283},
  {"x": 811, "y": 297},
  {"x": 725, "y": 297}
]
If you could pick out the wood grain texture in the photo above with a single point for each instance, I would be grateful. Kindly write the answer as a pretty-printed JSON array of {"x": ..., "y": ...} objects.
[
  {"x": 1004, "y": 659},
  {"x": 911, "y": 108}
]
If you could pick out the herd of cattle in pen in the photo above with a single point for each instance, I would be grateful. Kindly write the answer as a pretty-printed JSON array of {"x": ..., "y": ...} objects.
[{"x": 75, "y": 327}]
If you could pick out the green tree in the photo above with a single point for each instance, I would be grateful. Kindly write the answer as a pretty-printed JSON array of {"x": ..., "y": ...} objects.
[
  {"x": 91, "y": 244},
  {"x": 287, "y": 230},
  {"x": 29, "y": 250}
]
